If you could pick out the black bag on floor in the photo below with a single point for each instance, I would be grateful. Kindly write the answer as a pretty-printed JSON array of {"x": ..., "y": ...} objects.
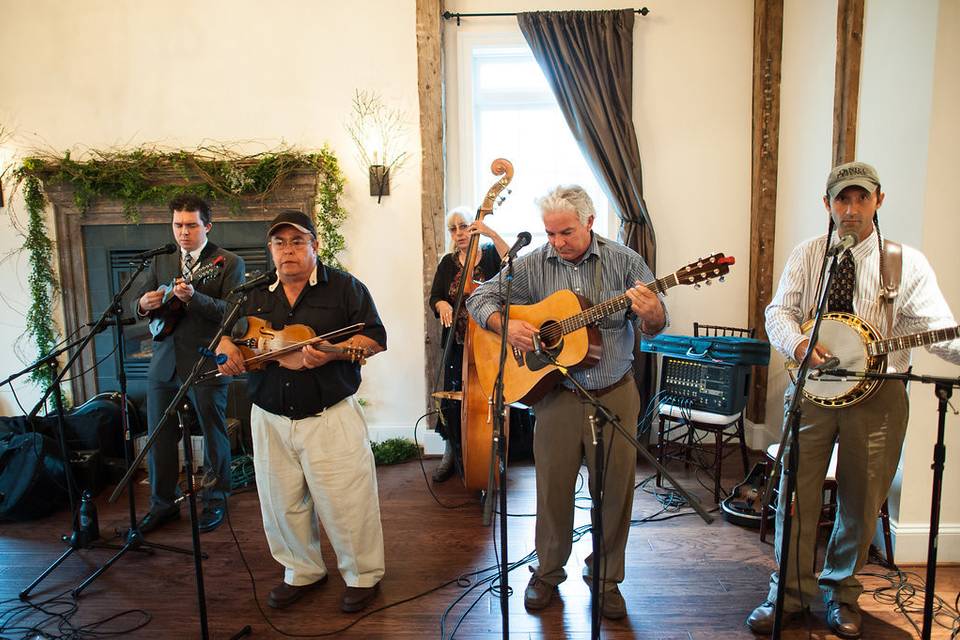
[{"x": 32, "y": 479}]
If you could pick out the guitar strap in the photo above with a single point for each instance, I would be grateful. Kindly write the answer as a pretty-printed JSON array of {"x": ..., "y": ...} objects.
[{"x": 891, "y": 270}]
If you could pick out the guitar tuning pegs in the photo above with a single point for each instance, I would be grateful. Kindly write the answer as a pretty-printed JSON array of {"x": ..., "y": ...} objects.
[
  {"x": 723, "y": 278},
  {"x": 709, "y": 282},
  {"x": 697, "y": 286}
]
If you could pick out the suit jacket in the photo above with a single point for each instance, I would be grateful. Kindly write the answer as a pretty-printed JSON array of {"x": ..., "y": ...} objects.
[{"x": 180, "y": 350}]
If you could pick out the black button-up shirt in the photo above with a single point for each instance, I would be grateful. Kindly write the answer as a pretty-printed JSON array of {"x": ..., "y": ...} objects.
[{"x": 331, "y": 300}]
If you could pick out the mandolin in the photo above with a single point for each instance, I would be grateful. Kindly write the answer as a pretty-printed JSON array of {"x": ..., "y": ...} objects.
[
  {"x": 567, "y": 326},
  {"x": 164, "y": 319}
]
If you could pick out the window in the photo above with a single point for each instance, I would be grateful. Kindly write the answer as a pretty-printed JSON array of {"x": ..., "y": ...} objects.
[{"x": 508, "y": 111}]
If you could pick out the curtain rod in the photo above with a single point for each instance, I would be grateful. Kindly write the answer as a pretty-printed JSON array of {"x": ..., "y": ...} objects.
[{"x": 447, "y": 15}]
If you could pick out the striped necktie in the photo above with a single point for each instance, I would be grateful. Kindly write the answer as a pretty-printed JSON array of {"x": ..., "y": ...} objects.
[
  {"x": 187, "y": 267},
  {"x": 844, "y": 284}
]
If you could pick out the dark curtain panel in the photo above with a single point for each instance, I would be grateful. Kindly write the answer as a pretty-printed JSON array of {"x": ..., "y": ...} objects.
[{"x": 587, "y": 57}]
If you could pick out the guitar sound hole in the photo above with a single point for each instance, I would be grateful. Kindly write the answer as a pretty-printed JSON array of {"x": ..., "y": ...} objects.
[{"x": 551, "y": 334}]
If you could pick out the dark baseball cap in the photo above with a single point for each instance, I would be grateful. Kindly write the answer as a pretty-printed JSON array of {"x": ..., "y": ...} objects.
[
  {"x": 852, "y": 174},
  {"x": 294, "y": 219}
]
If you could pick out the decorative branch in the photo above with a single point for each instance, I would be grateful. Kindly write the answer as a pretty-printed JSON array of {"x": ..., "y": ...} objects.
[{"x": 378, "y": 132}]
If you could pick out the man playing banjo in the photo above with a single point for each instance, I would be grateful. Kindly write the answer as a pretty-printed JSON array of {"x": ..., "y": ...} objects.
[{"x": 877, "y": 292}]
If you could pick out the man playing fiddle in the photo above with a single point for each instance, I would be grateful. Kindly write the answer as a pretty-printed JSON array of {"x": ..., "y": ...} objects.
[{"x": 312, "y": 456}]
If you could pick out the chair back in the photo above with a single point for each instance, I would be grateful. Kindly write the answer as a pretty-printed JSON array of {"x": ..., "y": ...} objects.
[{"x": 718, "y": 330}]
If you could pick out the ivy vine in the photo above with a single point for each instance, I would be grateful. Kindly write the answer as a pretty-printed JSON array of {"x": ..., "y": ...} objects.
[{"x": 148, "y": 176}]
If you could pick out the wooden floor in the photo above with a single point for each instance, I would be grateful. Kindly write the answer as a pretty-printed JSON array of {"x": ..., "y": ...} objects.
[{"x": 685, "y": 580}]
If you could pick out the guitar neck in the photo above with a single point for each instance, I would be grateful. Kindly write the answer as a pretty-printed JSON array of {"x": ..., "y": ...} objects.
[
  {"x": 897, "y": 343},
  {"x": 608, "y": 307}
]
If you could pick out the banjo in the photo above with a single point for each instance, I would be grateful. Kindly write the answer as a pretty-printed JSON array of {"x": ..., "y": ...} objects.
[{"x": 858, "y": 347}]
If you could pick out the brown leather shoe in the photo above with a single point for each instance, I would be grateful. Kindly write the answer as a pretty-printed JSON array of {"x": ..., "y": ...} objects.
[
  {"x": 612, "y": 605},
  {"x": 284, "y": 595},
  {"x": 844, "y": 619},
  {"x": 357, "y": 598},
  {"x": 538, "y": 593},
  {"x": 761, "y": 619}
]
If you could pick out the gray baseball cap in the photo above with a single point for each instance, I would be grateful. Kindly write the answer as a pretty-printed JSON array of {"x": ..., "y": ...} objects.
[{"x": 852, "y": 174}]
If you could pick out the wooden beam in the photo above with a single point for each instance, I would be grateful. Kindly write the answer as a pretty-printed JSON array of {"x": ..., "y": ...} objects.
[
  {"x": 767, "y": 52},
  {"x": 430, "y": 82},
  {"x": 846, "y": 98}
]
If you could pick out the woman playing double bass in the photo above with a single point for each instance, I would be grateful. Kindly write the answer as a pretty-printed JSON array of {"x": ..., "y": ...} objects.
[{"x": 461, "y": 227}]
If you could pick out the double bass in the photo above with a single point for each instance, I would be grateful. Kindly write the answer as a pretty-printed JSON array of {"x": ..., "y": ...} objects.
[{"x": 476, "y": 411}]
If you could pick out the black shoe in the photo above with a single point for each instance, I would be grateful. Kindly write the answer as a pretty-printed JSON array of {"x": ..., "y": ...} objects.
[
  {"x": 211, "y": 517},
  {"x": 762, "y": 618},
  {"x": 156, "y": 519},
  {"x": 844, "y": 619},
  {"x": 357, "y": 598},
  {"x": 284, "y": 595}
]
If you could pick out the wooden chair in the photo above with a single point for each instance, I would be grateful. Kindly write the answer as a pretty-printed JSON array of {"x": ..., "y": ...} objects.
[
  {"x": 828, "y": 513},
  {"x": 690, "y": 428}
]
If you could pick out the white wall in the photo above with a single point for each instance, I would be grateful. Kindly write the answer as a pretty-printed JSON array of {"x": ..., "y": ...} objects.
[{"x": 109, "y": 73}]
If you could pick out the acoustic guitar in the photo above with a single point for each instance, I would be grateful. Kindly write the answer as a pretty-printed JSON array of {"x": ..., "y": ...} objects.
[
  {"x": 567, "y": 327},
  {"x": 164, "y": 319}
]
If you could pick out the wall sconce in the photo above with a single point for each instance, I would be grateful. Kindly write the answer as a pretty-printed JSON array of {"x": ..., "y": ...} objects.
[
  {"x": 379, "y": 181},
  {"x": 379, "y": 134}
]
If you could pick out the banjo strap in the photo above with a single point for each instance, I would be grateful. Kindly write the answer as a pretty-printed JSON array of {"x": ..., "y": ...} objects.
[{"x": 891, "y": 269}]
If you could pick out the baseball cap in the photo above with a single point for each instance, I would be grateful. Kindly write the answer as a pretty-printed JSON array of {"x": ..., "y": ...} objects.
[
  {"x": 852, "y": 174},
  {"x": 295, "y": 219}
]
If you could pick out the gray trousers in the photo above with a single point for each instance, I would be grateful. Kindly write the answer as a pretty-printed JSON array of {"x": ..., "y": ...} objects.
[
  {"x": 562, "y": 437},
  {"x": 210, "y": 404},
  {"x": 870, "y": 436}
]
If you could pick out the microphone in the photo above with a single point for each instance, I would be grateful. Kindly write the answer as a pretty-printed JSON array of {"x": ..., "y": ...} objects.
[
  {"x": 146, "y": 255},
  {"x": 523, "y": 239},
  {"x": 254, "y": 282},
  {"x": 845, "y": 243},
  {"x": 830, "y": 363}
]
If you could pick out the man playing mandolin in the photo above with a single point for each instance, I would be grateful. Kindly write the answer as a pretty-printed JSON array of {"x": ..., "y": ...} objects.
[
  {"x": 577, "y": 259},
  {"x": 311, "y": 452},
  {"x": 199, "y": 309},
  {"x": 870, "y": 431}
]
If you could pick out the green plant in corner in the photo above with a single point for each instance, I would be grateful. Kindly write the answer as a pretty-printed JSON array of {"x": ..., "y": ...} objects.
[{"x": 394, "y": 450}]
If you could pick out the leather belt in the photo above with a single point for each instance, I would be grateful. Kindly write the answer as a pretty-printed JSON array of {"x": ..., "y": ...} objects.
[{"x": 599, "y": 393}]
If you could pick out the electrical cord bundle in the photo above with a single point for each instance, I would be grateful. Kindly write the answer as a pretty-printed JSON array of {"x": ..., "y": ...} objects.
[
  {"x": 904, "y": 591},
  {"x": 50, "y": 619}
]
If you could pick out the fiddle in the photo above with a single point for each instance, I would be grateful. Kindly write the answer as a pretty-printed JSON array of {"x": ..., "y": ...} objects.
[{"x": 262, "y": 344}]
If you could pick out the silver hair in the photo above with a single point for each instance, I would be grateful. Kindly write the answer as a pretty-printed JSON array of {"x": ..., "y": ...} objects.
[
  {"x": 571, "y": 198},
  {"x": 457, "y": 213}
]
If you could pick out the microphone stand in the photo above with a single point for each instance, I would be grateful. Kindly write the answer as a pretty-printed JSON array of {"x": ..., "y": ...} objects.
[
  {"x": 601, "y": 417},
  {"x": 792, "y": 431},
  {"x": 134, "y": 538},
  {"x": 943, "y": 389},
  {"x": 229, "y": 319},
  {"x": 500, "y": 445},
  {"x": 115, "y": 308}
]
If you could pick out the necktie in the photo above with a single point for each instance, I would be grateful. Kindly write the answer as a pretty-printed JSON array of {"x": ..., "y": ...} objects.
[
  {"x": 844, "y": 283},
  {"x": 187, "y": 267}
]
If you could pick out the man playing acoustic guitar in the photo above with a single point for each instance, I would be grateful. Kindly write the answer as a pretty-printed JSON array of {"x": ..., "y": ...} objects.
[
  {"x": 577, "y": 259},
  {"x": 201, "y": 309},
  {"x": 870, "y": 431}
]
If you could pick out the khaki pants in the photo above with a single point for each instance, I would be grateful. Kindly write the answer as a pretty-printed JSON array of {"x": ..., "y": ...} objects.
[
  {"x": 322, "y": 468},
  {"x": 870, "y": 436},
  {"x": 561, "y": 438}
]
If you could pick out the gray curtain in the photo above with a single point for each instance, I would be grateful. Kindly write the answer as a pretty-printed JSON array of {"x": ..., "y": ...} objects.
[{"x": 587, "y": 57}]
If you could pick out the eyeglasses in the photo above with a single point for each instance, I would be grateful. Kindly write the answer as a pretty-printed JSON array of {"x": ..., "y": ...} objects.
[
  {"x": 297, "y": 243},
  {"x": 458, "y": 227}
]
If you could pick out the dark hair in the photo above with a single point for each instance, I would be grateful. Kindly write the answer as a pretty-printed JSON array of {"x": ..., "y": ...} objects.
[{"x": 192, "y": 203}]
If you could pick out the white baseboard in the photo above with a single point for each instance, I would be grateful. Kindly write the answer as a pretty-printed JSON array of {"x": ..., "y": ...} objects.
[
  {"x": 431, "y": 442},
  {"x": 910, "y": 541}
]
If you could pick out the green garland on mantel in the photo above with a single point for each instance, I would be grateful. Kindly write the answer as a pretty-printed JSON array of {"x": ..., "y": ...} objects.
[{"x": 134, "y": 179}]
